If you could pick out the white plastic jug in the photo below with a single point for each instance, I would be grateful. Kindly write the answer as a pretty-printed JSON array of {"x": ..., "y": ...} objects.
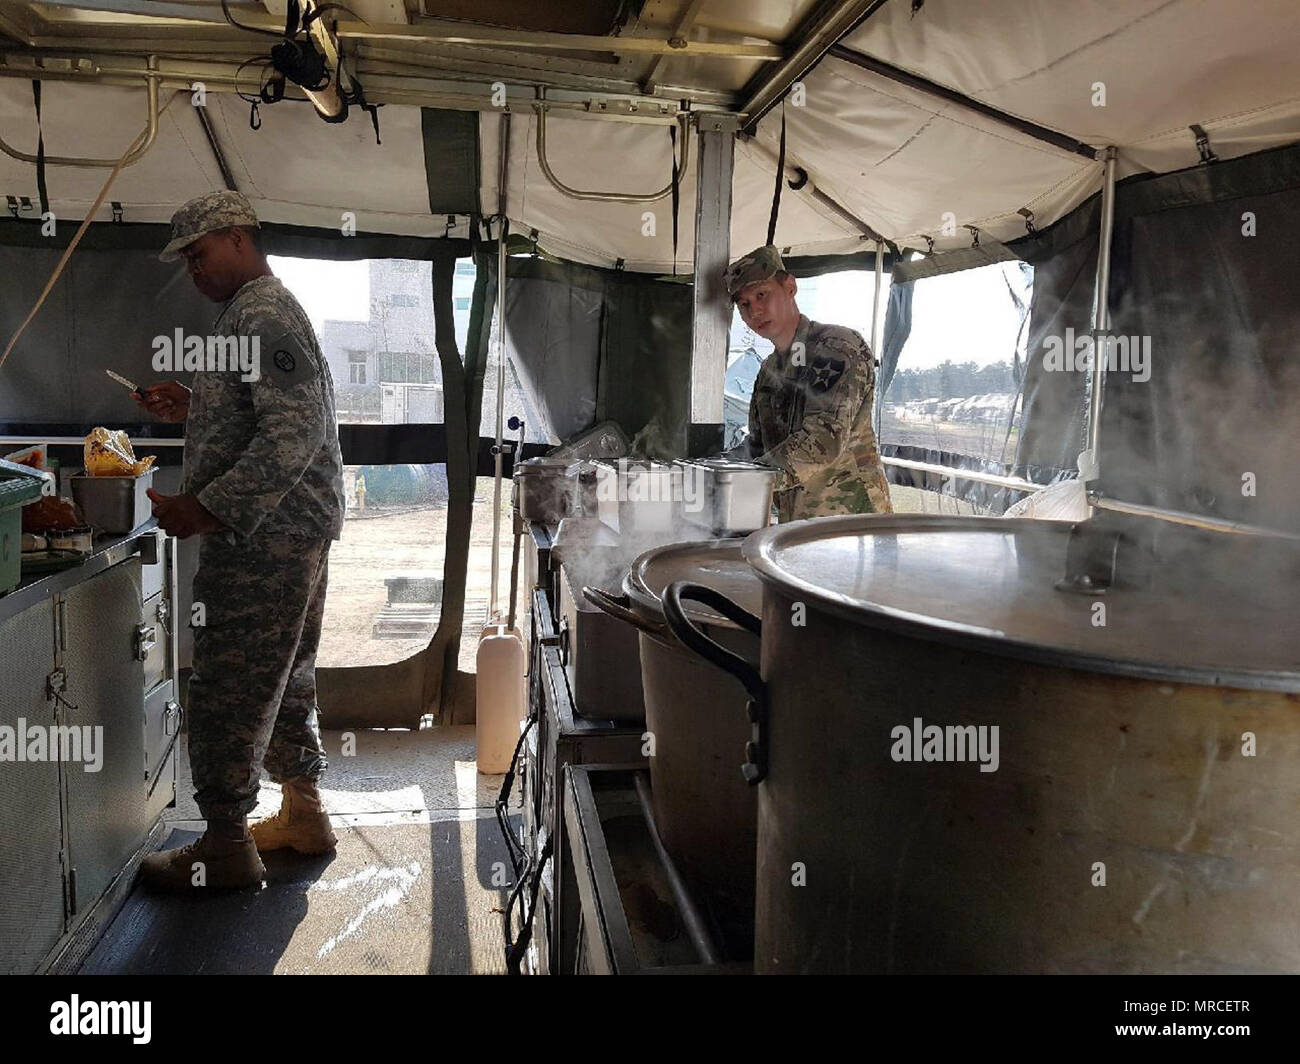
[{"x": 500, "y": 697}]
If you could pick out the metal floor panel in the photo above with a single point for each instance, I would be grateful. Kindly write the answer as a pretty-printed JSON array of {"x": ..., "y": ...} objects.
[
  {"x": 408, "y": 892},
  {"x": 394, "y": 899},
  {"x": 428, "y": 772}
]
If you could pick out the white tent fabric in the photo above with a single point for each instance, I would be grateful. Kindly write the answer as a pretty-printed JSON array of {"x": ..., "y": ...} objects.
[{"x": 901, "y": 161}]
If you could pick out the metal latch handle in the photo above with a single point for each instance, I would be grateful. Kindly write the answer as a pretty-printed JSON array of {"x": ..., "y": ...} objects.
[{"x": 145, "y": 640}]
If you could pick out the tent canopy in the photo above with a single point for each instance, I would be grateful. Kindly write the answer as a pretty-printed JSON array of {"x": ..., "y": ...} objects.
[{"x": 891, "y": 156}]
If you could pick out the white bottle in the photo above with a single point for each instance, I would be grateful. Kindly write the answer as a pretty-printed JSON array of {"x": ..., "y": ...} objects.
[{"x": 500, "y": 698}]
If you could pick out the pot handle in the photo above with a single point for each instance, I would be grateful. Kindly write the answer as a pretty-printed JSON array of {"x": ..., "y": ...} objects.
[
  {"x": 617, "y": 606},
  {"x": 755, "y": 767}
]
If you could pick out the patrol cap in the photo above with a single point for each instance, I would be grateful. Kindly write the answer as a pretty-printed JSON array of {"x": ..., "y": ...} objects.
[
  {"x": 760, "y": 264},
  {"x": 206, "y": 214}
]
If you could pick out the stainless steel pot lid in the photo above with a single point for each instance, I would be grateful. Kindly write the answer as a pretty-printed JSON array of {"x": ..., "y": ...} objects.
[
  {"x": 544, "y": 466},
  {"x": 716, "y": 563},
  {"x": 990, "y": 583}
]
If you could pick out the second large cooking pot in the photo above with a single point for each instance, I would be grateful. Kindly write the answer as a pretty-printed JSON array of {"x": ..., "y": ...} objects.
[
  {"x": 966, "y": 768},
  {"x": 696, "y": 719}
]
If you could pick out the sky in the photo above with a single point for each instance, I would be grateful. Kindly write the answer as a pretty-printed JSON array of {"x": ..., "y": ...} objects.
[
  {"x": 339, "y": 291},
  {"x": 964, "y": 317}
]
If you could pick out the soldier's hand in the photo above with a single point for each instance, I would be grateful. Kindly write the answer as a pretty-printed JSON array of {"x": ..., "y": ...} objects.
[
  {"x": 168, "y": 401},
  {"x": 183, "y": 515}
]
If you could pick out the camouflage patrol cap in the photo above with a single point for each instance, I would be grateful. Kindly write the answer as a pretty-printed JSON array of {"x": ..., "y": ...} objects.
[
  {"x": 206, "y": 214},
  {"x": 759, "y": 265}
]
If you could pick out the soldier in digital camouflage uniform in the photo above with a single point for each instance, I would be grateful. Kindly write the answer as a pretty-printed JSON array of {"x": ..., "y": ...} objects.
[
  {"x": 264, "y": 490},
  {"x": 810, "y": 414}
]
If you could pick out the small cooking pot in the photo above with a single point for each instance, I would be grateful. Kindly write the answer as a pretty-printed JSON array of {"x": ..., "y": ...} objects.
[{"x": 697, "y": 723}]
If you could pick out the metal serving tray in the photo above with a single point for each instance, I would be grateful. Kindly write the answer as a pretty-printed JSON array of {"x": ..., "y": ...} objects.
[
  {"x": 113, "y": 504},
  {"x": 725, "y": 497}
]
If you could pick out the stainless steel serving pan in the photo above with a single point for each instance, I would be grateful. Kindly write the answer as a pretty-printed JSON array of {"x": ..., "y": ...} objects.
[{"x": 724, "y": 497}]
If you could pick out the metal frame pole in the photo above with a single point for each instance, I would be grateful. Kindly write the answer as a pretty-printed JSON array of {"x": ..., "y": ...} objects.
[
  {"x": 1100, "y": 321},
  {"x": 501, "y": 364},
  {"x": 711, "y": 320},
  {"x": 877, "y": 413}
]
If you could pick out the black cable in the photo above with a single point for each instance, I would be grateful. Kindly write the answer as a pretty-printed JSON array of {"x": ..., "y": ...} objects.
[
  {"x": 41, "y": 190},
  {"x": 516, "y": 951},
  {"x": 247, "y": 97},
  {"x": 672, "y": 136},
  {"x": 313, "y": 15},
  {"x": 225, "y": 10},
  {"x": 780, "y": 180},
  {"x": 503, "y": 797}
]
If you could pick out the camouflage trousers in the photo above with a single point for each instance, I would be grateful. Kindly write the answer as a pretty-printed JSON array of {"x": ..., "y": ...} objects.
[{"x": 252, "y": 694}]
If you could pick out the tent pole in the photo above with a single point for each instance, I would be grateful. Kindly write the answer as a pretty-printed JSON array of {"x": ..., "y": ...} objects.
[
  {"x": 711, "y": 308},
  {"x": 932, "y": 88},
  {"x": 1088, "y": 464},
  {"x": 824, "y": 25},
  {"x": 875, "y": 331},
  {"x": 501, "y": 363}
]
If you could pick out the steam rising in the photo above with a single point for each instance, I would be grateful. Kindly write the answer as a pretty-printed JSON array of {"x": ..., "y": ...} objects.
[{"x": 666, "y": 506}]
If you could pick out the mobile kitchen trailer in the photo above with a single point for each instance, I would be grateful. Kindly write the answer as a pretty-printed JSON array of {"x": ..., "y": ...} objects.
[{"x": 1132, "y": 167}]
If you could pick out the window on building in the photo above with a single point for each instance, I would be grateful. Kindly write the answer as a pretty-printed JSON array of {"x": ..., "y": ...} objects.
[{"x": 403, "y": 299}]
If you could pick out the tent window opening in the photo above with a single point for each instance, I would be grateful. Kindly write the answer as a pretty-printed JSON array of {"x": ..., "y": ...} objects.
[
  {"x": 374, "y": 320},
  {"x": 954, "y": 398}
]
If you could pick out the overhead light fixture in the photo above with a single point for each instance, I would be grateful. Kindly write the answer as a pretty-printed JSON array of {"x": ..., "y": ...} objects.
[{"x": 308, "y": 55}]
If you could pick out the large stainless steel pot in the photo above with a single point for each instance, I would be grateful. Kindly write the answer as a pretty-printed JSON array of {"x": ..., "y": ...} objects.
[
  {"x": 1129, "y": 826},
  {"x": 706, "y": 813}
]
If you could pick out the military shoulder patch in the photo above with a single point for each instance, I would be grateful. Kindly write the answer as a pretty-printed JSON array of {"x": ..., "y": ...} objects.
[
  {"x": 285, "y": 360},
  {"x": 824, "y": 372}
]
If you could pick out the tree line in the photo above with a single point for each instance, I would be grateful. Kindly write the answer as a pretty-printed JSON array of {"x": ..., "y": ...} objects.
[{"x": 951, "y": 380}]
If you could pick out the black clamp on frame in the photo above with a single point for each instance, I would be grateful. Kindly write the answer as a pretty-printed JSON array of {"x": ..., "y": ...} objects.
[{"x": 1203, "y": 144}]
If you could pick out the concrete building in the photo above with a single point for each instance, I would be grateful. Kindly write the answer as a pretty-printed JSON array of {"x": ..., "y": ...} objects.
[{"x": 386, "y": 369}]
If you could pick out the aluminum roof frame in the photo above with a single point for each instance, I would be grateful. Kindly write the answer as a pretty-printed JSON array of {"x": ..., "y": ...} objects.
[{"x": 557, "y": 60}]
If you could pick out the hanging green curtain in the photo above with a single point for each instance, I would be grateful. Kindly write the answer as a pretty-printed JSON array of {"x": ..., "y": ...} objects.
[{"x": 446, "y": 693}]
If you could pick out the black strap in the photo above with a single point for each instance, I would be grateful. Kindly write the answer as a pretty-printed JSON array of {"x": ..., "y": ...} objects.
[
  {"x": 373, "y": 110},
  {"x": 780, "y": 180},
  {"x": 40, "y": 152},
  {"x": 672, "y": 134}
]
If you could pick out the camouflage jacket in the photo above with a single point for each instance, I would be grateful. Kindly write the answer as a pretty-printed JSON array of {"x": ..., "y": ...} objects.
[
  {"x": 810, "y": 417},
  {"x": 263, "y": 454}
]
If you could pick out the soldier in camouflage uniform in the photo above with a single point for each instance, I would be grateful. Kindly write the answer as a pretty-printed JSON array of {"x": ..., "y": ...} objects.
[
  {"x": 810, "y": 414},
  {"x": 264, "y": 489}
]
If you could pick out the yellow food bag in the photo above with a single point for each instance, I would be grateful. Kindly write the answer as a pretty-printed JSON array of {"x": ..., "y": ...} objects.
[{"x": 109, "y": 454}]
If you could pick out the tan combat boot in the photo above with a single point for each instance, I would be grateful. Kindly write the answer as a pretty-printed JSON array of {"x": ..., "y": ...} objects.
[
  {"x": 301, "y": 825},
  {"x": 225, "y": 858}
]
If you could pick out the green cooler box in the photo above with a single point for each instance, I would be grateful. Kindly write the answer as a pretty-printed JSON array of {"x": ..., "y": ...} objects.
[{"x": 19, "y": 485}]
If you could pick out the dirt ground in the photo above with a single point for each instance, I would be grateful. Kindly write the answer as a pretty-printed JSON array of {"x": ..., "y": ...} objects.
[{"x": 403, "y": 543}]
